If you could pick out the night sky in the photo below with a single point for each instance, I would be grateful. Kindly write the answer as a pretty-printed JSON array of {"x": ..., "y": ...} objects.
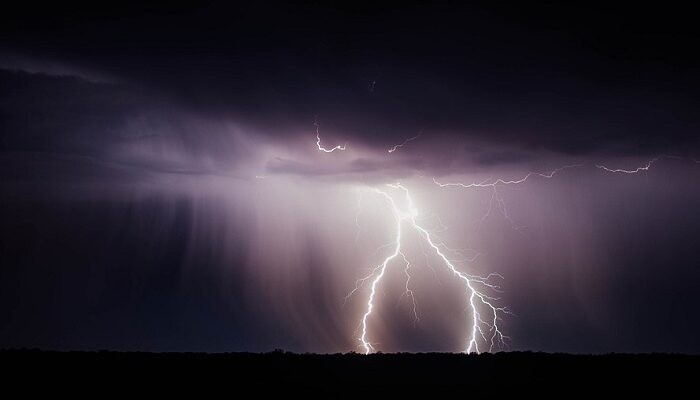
[{"x": 161, "y": 188}]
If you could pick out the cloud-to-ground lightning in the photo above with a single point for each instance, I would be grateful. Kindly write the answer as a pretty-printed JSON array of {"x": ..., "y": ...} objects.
[
  {"x": 318, "y": 141},
  {"x": 402, "y": 144},
  {"x": 484, "y": 332},
  {"x": 477, "y": 288}
]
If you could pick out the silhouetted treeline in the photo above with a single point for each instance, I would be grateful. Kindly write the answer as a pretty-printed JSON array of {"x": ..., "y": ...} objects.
[{"x": 105, "y": 372}]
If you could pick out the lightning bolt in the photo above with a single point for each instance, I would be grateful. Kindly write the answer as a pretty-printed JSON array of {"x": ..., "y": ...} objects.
[
  {"x": 409, "y": 291},
  {"x": 630, "y": 171},
  {"x": 318, "y": 141},
  {"x": 490, "y": 183},
  {"x": 400, "y": 145},
  {"x": 484, "y": 332},
  {"x": 485, "y": 314},
  {"x": 646, "y": 167},
  {"x": 497, "y": 201},
  {"x": 357, "y": 218}
]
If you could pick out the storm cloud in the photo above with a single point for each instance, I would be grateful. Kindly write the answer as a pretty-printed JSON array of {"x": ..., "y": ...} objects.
[{"x": 159, "y": 173}]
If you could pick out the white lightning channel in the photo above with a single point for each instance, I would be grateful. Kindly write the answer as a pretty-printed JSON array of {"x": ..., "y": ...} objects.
[
  {"x": 496, "y": 200},
  {"x": 629, "y": 171},
  {"x": 485, "y": 329},
  {"x": 490, "y": 183},
  {"x": 318, "y": 141},
  {"x": 402, "y": 144},
  {"x": 382, "y": 269},
  {"x": 646, "y": 167},
  {"x": 409, "y": 291}
]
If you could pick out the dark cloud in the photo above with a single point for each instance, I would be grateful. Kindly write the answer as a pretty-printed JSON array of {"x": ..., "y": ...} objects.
[
  {"x": 112, "y": 125},
  {"x": 12, "y": 62},
  {"x": 532, "y": 77}
]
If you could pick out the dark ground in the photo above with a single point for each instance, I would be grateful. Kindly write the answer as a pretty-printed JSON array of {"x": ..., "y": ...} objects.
[{"x": 231, "y": 374}]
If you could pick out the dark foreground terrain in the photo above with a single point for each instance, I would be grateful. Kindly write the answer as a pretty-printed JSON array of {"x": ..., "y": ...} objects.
[{"x": 232, "y": 374}]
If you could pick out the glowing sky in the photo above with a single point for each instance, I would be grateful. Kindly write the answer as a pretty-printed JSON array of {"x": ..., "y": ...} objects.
[{"x": 207, "y": 178}]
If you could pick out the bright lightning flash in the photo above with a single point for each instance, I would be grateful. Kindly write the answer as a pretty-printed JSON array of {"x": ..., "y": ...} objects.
[
  {"x": 484, "y": 331},
  {"x": 485, "y": 313}
]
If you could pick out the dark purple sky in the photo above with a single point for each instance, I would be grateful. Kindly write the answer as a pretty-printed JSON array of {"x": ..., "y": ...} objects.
[{"x": 161, "y": 188}]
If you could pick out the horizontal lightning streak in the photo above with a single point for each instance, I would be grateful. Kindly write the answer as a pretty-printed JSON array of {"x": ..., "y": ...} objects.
[
  {"x": 496, "y": 200},
  {"x": 629, "y": 171},
  {"x": 402, "y": 144},
  {"x": 488, "y": 184}
]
